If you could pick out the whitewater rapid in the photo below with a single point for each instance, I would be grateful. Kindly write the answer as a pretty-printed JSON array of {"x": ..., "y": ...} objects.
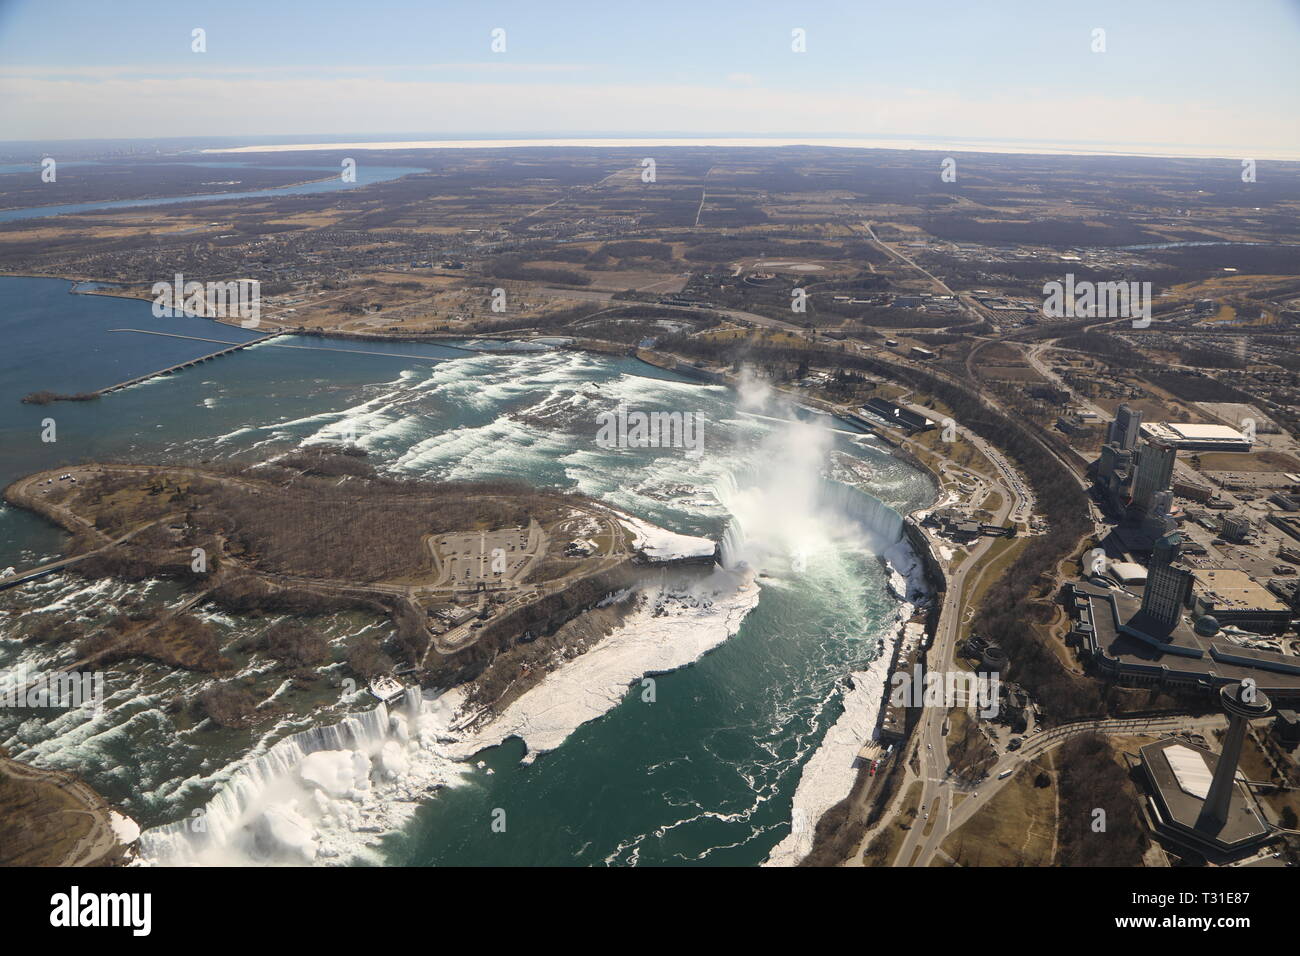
[{"x": 489, "y": 416}]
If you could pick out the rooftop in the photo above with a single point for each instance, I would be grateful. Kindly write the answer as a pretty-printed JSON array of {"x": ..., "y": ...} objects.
[
  {"x": 1180, "y": 432},
  {"x": 1231, "y": 589},
  {"x": 1114, "y": 628},
  {"x": 1190, "y": 770},
  {"x": 1177, "y": 775},
  {"x": 1128, "y": 571}
]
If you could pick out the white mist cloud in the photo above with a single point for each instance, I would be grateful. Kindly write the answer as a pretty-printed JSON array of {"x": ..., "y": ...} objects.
[{"x": 782, "y": 519}]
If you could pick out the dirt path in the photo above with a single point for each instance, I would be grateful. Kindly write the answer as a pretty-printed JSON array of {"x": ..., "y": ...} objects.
[{"x": 100, "y": 843}]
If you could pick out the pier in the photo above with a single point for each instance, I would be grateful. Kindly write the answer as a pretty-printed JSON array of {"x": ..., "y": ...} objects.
[{"x": 230, "y": 347}]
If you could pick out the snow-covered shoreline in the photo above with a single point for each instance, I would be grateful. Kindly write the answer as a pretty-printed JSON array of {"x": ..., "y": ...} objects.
[
  {"x": 689, "y": 623},
  {"x": 829, "y": 774},
  {"x": 659, "y": 544},
  {"x": 326, "y": 795}
]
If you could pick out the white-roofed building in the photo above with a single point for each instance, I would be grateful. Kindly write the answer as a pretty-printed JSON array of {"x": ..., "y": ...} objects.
[
  {"x": 1190, "y": 771},
  {"x": 1127, "y": 572},
  {"x": 1188, "y": 437}
]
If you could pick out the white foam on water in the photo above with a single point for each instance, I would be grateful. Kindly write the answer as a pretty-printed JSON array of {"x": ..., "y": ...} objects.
[
  {"x": 318, "y": 796},
  {"x": 503, "y": 446},
  {"x": 266, "y": 811},
  {"x": 829, "y": 774}
]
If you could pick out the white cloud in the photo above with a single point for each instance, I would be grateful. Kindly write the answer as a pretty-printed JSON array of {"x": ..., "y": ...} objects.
[
  {"x": 199, "y": 68},
  {"x": 59, "y": 107}
]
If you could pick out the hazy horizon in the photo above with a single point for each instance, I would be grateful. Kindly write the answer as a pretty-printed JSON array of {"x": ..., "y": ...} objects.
[
  {"x": 1184, "y": 79},
  {"x": 392, "y": 142}
]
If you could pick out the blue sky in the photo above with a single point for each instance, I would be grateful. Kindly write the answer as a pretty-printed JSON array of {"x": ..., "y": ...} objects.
[{"x": 1176, "y": 72}]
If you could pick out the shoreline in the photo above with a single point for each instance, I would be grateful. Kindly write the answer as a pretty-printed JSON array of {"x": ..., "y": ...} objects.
[
  {"x": 145, "y": 201},
  {"x": 329, "y": 794},
  {"x": 597, "y": 681},
  {"x": 823, "y": 782},
  {"x": 107, "y": 836},
  {"x": 900, "y": 144},
  {"x": 831, "y": 772}
]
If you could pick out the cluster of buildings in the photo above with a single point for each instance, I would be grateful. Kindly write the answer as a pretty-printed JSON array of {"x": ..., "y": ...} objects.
[
  {"x": 1184, "y": 628},
  {"x": 1135, "y": 474},
  {"x": 1178, "y": 620},
  {"x": 1152, "y": 613},
  {"x": 889, "y": 413},
  {"x": 1020, "y": 308},
  {"x": 927, "y": 302},
  {"x": 960, "y": 526}
]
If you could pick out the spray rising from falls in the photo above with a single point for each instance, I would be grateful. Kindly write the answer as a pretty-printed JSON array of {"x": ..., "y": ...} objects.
[{"x": 784, "y": 511}]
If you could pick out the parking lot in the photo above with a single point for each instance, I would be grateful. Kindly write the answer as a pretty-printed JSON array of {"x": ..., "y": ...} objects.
[{"x": 492, "y": 557}]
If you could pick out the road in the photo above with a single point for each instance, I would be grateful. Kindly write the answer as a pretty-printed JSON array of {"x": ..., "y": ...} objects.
[
  {"x": 1035, "y": 356},
  {"x": 927, "y": 736},
  {"x": 938, "y": 794},
  {"x": 928, "y": 739},
  {"x": 23, "y": 491},
  {"x": 942, "y": 792},
  {"x": 736, "y": 315},
  {"x": 974, "y": 311}
]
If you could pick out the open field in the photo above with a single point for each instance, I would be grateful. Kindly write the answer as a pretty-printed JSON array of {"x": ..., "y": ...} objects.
[
  {"x": 1016, "y": 828},
  {"x": 1258, "y": 461}
]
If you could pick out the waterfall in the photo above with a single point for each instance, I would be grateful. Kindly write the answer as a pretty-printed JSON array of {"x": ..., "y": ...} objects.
[
  {"x": 880, "y": 520},
  {"x": 784, "y": 510},
  {"x": 770, "y": 518},
  {"x": 224, "y": 821}
]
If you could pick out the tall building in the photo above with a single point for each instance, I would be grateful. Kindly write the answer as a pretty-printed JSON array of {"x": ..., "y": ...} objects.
[
  {"x": 1159, "y": 521},
  {"x": 1124, "y": 429},
  {"x": 1201, "y": 811},
  {"x": 1114, "y": 470},
  {"x": 1168, "y": 587},
  {"x": 1114, "y": 460},
  {"x": 1235, "y": 527},
  {"x": 1154, "y": 472}
]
